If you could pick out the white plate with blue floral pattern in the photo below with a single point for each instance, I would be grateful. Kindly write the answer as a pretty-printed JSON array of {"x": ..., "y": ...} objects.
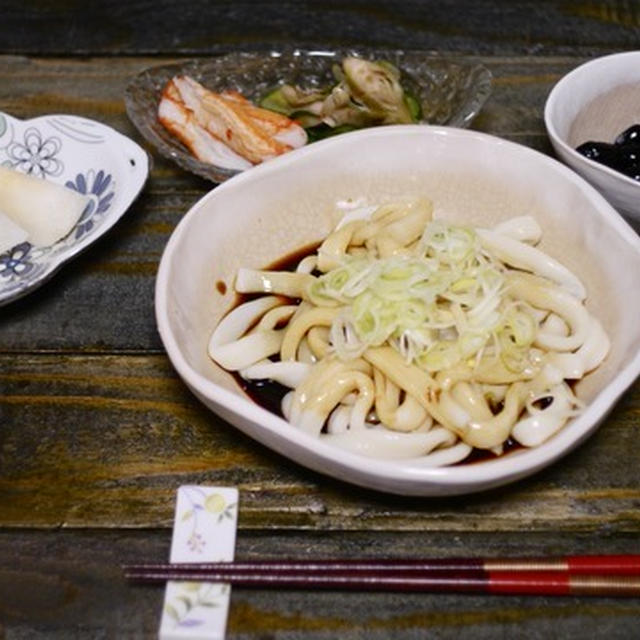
[{"x": 83, "y": 155}]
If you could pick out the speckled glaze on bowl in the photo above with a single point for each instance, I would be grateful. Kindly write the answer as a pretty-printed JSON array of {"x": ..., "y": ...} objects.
[
  {"x": 451, "y": 92},
  {"x": 566, "y": 100},
  {"x": 290, "y": 202}
]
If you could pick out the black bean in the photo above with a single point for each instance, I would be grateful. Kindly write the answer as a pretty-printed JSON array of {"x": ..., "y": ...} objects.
[
  {"x": 630, "y": 135},
  {"x": 623, "y": 155}
]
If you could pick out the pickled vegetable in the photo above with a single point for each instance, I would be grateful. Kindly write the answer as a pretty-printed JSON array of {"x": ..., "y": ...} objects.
[{"x": 366, "y": 93}]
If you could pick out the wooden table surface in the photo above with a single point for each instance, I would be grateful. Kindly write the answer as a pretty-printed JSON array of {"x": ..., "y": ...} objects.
[{"x": 97, "y": 431}]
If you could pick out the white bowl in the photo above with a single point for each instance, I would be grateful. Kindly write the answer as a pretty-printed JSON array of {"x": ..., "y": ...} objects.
[
  {"x": 290, "y": 202},
  {"x": 570, "y": 96}
]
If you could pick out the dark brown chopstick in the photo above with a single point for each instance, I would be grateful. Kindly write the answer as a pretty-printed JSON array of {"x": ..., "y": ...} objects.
[
  {"x": 550, "y": 583},
  {"x": 621, "y": 564},
  {"x": 616, "y": 575}
]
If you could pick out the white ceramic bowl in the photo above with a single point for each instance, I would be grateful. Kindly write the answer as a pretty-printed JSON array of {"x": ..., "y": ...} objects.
[
  {"x": 569, "y": 97},
  {"x": 290, "y": 202}
]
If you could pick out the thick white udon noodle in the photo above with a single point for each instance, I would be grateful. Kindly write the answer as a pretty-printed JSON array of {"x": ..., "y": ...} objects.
[{"x": 380, "y": 402}]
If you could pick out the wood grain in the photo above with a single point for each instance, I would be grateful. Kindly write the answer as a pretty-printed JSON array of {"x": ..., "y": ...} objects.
[
  {"x": 105, "y": 441},
  {"x": 521, "y": 27},
  {"x": 77, "y": 591}
]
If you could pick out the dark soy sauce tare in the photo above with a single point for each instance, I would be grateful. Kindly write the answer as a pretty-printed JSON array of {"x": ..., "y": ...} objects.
[{"x": 267, "y": 393}]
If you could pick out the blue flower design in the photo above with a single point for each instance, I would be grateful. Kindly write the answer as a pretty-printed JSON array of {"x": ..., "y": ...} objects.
[
  {"x": 35, "y": 155},
  {"x": 15, "y": 262},
  {"x": 100, "y": 187}
]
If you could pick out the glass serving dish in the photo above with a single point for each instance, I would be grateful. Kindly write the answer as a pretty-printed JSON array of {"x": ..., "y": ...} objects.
[{"x": 451, "y": 92}]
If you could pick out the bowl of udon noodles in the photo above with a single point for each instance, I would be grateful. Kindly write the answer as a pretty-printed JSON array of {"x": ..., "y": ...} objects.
[{"x": 417, "y": 310}]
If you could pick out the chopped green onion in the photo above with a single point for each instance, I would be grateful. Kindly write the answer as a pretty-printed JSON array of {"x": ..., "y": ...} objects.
[{"x": 445, "y": 303}]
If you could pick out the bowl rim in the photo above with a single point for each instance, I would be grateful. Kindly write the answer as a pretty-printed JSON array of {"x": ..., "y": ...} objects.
[
  {"x": 555, "y": 97},
  {"x": 400, "y": 475}
]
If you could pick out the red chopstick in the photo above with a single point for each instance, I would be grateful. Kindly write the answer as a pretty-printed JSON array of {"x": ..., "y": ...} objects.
[{"x": 613, "y": 575}]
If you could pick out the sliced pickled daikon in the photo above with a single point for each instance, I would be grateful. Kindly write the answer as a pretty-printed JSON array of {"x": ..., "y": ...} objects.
[
  {"x": 45, "y": 210},
  {"x": 10, "y": 233}
]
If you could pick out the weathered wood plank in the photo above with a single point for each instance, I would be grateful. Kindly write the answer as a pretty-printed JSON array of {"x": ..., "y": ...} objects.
[
  {"x": 104, "y": 442},
  {"x": 520, "y": 27},
  {"x": 74, "y": 590},
  {"x": 122, "y": 265}
]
